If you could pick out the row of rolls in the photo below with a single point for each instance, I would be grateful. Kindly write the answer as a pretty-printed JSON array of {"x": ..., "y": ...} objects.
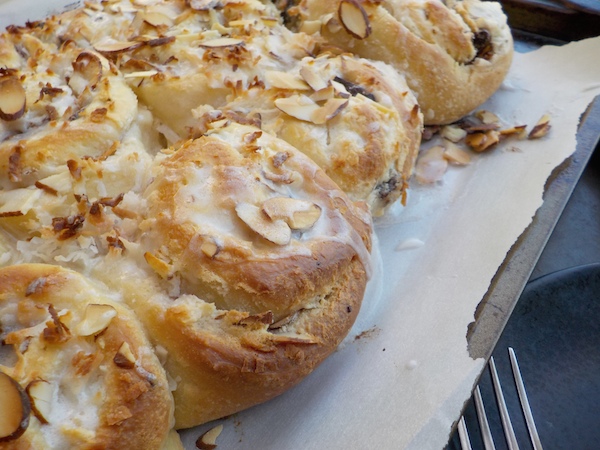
[{"x": 187, "y": 193}]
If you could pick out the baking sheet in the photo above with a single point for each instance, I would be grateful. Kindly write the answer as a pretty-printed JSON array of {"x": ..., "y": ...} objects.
[{"x": 401, "y": 377}]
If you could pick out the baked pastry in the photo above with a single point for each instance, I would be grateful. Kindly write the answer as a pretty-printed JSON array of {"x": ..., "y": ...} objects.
[
  {"x": 58, "y": 104},
  {"x": 82, "y": 371},
  {"x": 454, "y": 54},
  {"x": 271, "y": 261},
  {"x": 357, "y": 119},
  {"x": 178, "y": 56},
  {"x": 183, "y": 62}
]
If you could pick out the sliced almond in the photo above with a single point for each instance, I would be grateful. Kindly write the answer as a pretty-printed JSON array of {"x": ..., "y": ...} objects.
[
  {"x": 162, "y": 268},
  {"x": 208, "y": 441},
  {"x": 431, "y": 165},
  {"x": 298, "y": 214},
  {"x": 314, "y": 80},
  {"x": 110, "y": 47},
  {"x": 285, "y": 80},
  {"x": 12, "y": 99},
  {"x": 15, "y": 409},
  {"x": 456, "y": 155},
  {"x": 310, "y": 26},
  {"x": 453, "y": 133},
  {"x": 275, "y": 231},
  {"x": 299, "y": 106},
  {"x": 124, "y": 358},
  {"x": 354, "y": 19},
  {"x": 141, "y": 74},
  {"x": 209, "y": 247},
  {"x": 87, "y": 72},
  {"x": 323, "y": 94},
  {"x": 541, "y": 128},
  {"x": 222, "y": 42},
  {"x": 157, "y": 19},
  {"x": 487, "y": 117},
  {"x": 40, "y": 394},
  {"x": 482, "y": 141},
  {"x": 97, "y": 318},
  {"x": 329, "y": 110},
  {"x": 519, "y": 130}
]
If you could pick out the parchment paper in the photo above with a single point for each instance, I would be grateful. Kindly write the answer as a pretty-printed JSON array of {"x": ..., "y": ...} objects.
[{"x": 401, "y": 377}]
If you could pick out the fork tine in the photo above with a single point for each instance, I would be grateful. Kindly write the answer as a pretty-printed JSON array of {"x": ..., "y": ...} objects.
[
  {"x": 509, "y": 432},
  {"x": 463, "y": 435},
  {"x": 486, "y": 434},
  {"x": 533, "y": 434}
]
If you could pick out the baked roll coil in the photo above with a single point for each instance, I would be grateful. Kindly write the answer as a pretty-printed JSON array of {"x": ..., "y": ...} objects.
[
  {"x": 267, "y": 260},
  {"x": 81, "y": 373},
  {"x": 57, "y": 104},
  {"x": 178, "y": 56},
  {"x": 454, "y": 54},
  {"x": 357, "y": 119}
]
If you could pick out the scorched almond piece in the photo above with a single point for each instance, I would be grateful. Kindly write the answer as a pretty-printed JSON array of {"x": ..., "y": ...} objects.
[
  {"x": 354, "y": 19},
  {"x": 96, "y": 318},
  {"x": 14, "y": 409},
  {"x": 40, "y": 394},
  {"x": 12, "y": 99}
]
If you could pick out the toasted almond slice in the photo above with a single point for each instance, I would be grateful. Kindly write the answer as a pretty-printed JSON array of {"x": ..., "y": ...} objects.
[
  {"x": 12, "y": 99},
  {"x": 208, "y": 441},
  {"x": 354, "y": 19},
  {"x": 285, "y": 80},
  {"x": 87, "y": 72},
  {"x": 482, "y": 141},
  {"x": 40, "y": 394},
  {"x": 97, "y": 318},
  {"x": 15, "y": 409},
  {"x": 329, "y": 110},
  {"x": 314, "y": 80},
  {"x": 221, "y": 42},
  {"x": 323, "y": 94},
  {"x": 519, "y": 130},
  {"x": 157, "y": 19},
  {"x": 299, "y": 106},
  {"x": 453, "y": 133},
  {"x": 210, "y": 248},
  {"x": 298, "y": 214},
  {"x": 158, "y": 265},
  {"x": 111, "y": 47},
  {"x": 124, "y": 358},
  {"x": 431, "y": 165},
  {"x": 541, "y": 128},
  {"x": 141, "y": 74},
  {"x": 487, "y": 117},
  {"x": 275, "y": 231},
  {"x": 310, "y": 26},
  {"x": 456, "y": 155}
]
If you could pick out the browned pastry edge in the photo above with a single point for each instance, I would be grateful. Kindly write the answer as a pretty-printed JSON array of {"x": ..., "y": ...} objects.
[{"x": 221, "y": 370}]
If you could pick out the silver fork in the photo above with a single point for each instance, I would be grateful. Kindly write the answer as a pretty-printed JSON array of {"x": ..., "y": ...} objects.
[{"x": 507, "y": 427}]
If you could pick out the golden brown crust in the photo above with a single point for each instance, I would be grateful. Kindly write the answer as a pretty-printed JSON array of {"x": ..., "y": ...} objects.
[
  {"x": 129, "y": 406},
  {"x": 247, "y": 270},
  {"x": 454, "y": 57},
  {"x": 277, "y": 308}
]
